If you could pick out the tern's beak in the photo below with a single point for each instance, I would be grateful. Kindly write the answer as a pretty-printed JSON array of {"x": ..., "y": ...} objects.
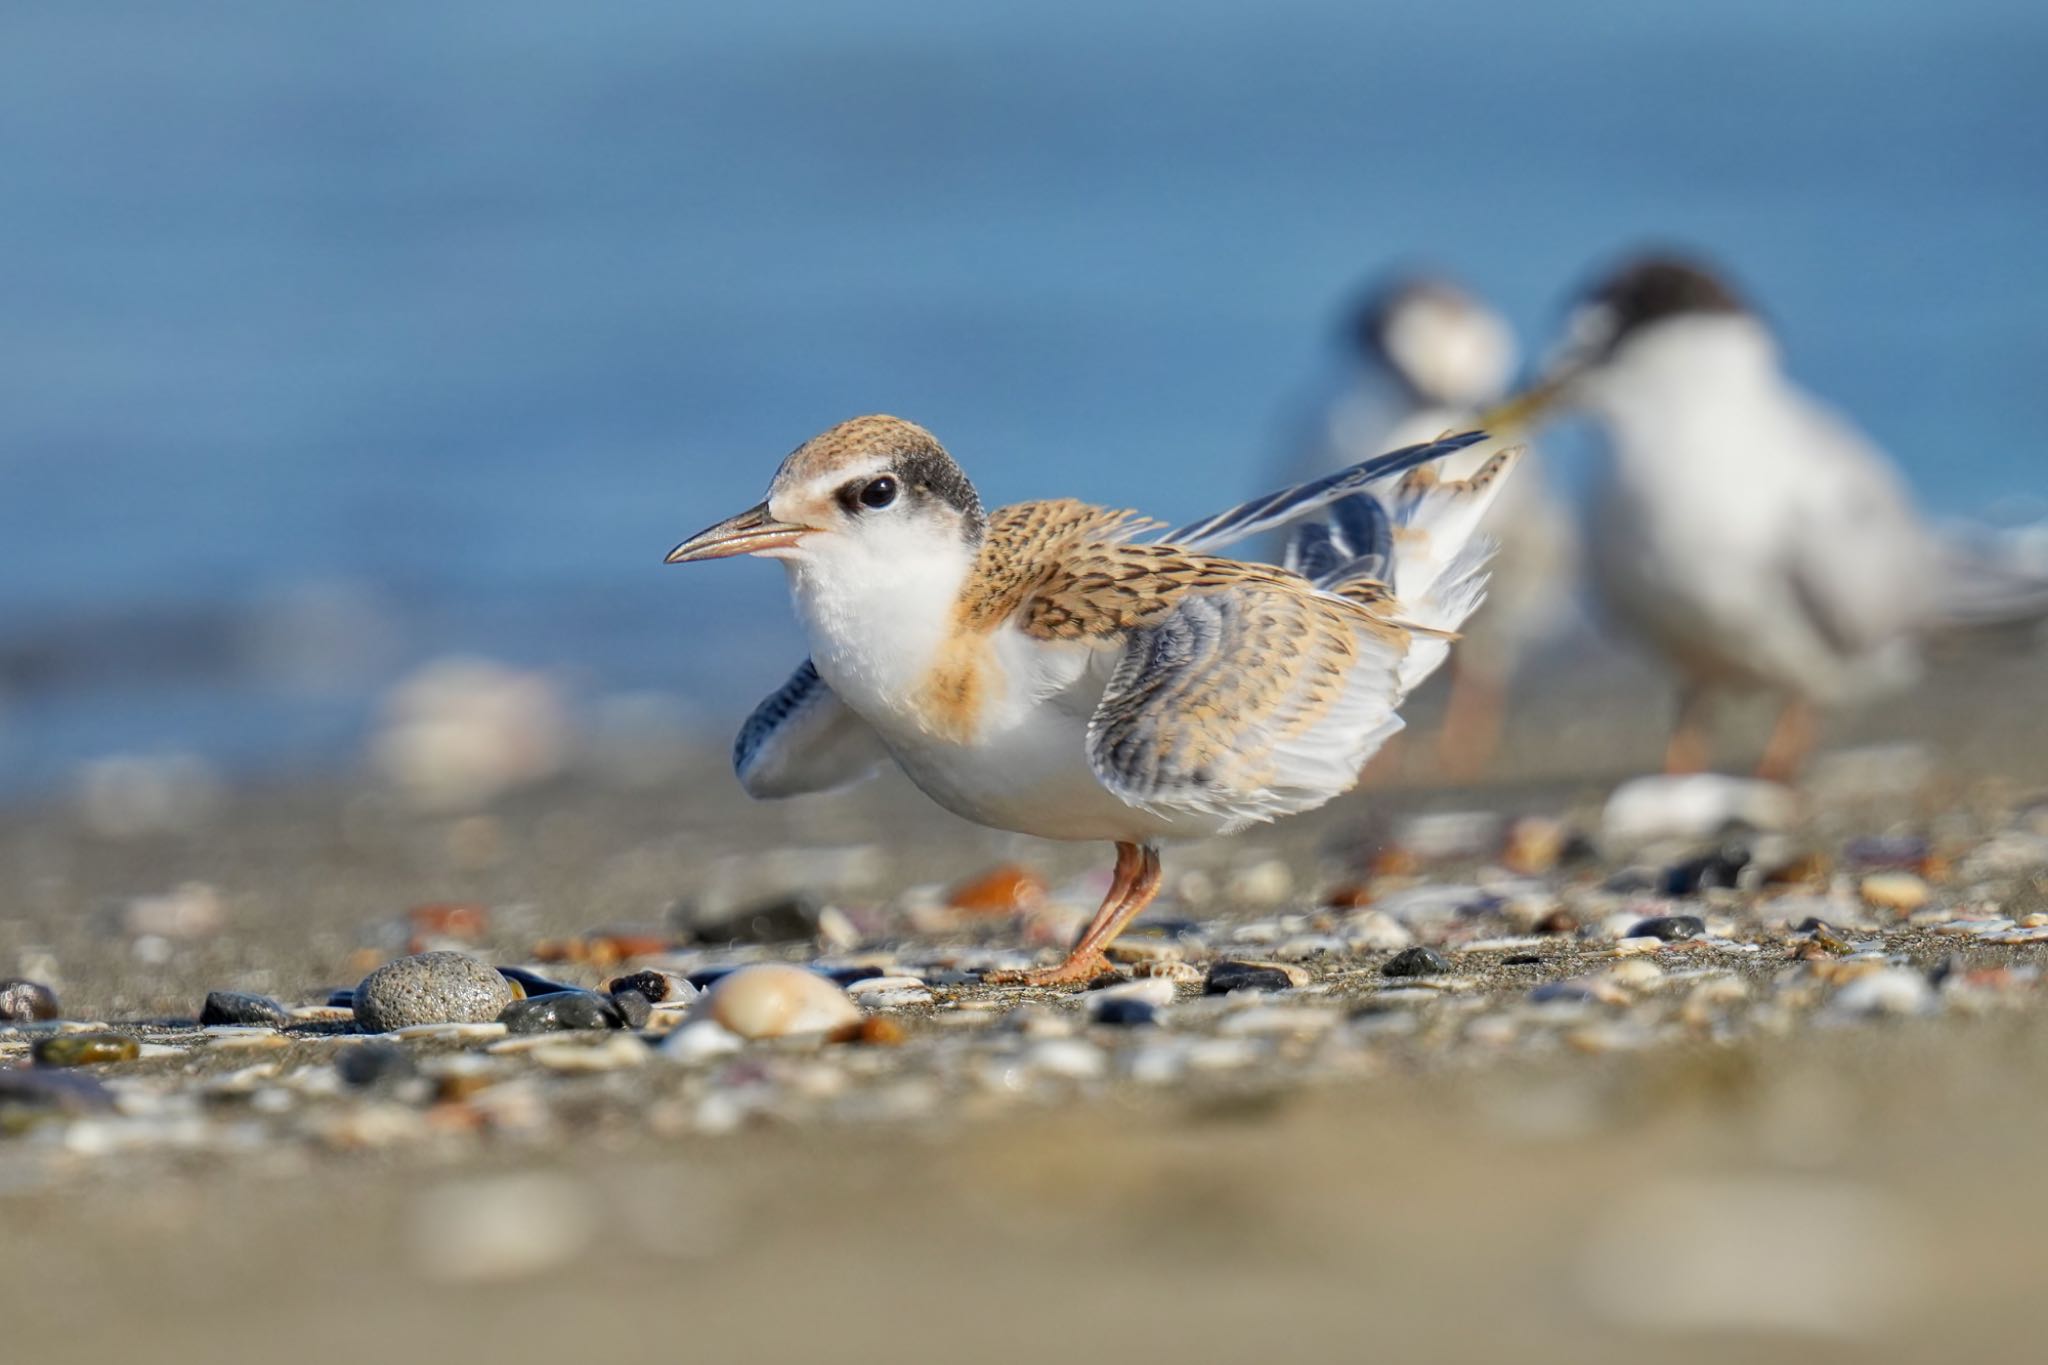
[
  {"x": 752, "y": 532},
  {"x": 1524, "y": 408}
]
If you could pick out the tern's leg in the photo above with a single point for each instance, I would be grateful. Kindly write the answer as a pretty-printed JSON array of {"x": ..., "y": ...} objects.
[
  {"x": 1130, "y": 891},
  {"x": 1791, "y": 741},
  {"x": 1470, "y": 735},
  {"x": 1688, "y": 750}
]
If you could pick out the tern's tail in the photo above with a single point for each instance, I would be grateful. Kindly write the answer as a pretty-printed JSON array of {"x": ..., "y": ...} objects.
[{"x": 1421, "y": 541}]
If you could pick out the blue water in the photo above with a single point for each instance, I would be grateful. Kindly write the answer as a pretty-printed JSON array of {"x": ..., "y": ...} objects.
[{"x": 467, "y": 311}]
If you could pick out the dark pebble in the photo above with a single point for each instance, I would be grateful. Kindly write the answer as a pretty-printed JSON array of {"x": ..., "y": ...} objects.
[
  {"x": 370, "y": 1064},
  {"x": 786, "y": 919},
  {"x": 237, "y": 1007},
  {"x": 1813, "y": 924},
  {"x": 25, "y": 1002},
  {"x": 1717, "y": 869},
  {"x": 634, "y": 1009},
  {"x": 533, "y": 983},
  {"x": 653, "y": 987},
  {"x": 846, "y": 976},
  {"x": 26, "y": 1091},
  {"x": 1225, "y": 977},
  {"x": 1521, "y": 960},
  {"x": 85, "y": 1049},
  {"x": 1899, "y": 851},
  {"x": 1670, "y": 928},
  {"x": 1420, "y": 960},
  {"x": 1126, "y": 1013},
  {"x": 560, "y": 1010},
  {"x": 344, "y": 999},
  {"x": 1631, "y": 881},
  {"x": 1558, "y": 922}
]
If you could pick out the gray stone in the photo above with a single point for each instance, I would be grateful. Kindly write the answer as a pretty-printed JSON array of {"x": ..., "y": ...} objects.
[
  {"x": 559, "y": 1010},
  {"x": 430, "y": 988},
  {"x": 1417, "y": 961},
  {"x": 236, "y": 1007}
]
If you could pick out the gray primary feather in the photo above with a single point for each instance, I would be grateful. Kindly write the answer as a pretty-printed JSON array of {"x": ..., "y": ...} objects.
[
  {"x": 1292, "y": 504},
  {"x": 802, "y": 738}
]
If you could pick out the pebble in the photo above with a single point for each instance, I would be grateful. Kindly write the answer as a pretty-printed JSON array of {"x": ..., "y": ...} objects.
[
  {"x": 1720, "y": 867},
  {"x": 1669, "y": 928},
  {"x": 560, "y": 1010},
  {"x": 375, "y": 1064},
  {"x": 658, "y": 987},
  {"x": 1377, "y": 931},
  {"x": 1416, "y": 961},
  {"x": 85, "y": 1049},
  {"x": 635, "y": 1010},
  {"x": 1899, "y": 892},
  {"x": 237, "y": 1007},
  {"x": 1229, "y": 975},
  {"x": 700, "y": 1040},
  {"x": 774, "y": 1000},
  {"x": 1890, "y": 991},
  {"x": 1124, "y": 1012},
  {"x": 782, "y": 919},
  {"x": 25, "y": 1090},
  {"x": 1006, "y": 889},
  {"x": 1693, "y": 806},
  {"x": 24, "y": 1002},
  {"x": 430, "y": 988}
]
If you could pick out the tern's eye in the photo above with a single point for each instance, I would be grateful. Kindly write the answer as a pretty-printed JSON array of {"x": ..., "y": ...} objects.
[{"x": 878, "y": 493}]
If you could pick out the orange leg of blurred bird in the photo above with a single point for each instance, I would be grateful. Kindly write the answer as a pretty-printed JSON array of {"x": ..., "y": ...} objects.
[
  {"x": 1470, "y": 735},
  {"x": 1791, "y": 741},
  {"x": 1132, "y": 888},
  {"x": 1688, "y": 749}
]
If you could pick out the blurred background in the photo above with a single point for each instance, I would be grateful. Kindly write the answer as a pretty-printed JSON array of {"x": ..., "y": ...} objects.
[{"x": 340, "y": 340}]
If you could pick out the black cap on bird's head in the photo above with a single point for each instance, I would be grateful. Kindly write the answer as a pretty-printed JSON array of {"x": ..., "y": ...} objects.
[{"x": 1650, "y": 288}]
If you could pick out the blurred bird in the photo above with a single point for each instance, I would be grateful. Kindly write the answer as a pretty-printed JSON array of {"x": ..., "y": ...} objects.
[
  {"x": 1423, "y": 357},
  {"x": 1050, "y": 669},
  {"x": 1744, "y": 531}
]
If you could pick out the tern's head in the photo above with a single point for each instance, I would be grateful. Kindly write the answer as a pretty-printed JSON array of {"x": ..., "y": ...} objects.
[
  {"x": 1658, "y": 318},
  {"x": 1445, "y": 347},
  {"x": 876, "y": 492}
]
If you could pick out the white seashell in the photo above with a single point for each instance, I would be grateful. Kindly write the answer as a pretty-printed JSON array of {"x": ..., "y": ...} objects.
[{"x": 773, "y": 1000}]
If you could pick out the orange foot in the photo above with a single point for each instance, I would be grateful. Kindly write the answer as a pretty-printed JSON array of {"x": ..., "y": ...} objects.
[{"x": 1077, "y": 970}]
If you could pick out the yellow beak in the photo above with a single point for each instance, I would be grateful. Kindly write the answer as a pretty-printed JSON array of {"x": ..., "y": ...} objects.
[
  {"x": 752, "y": 532},
  {"x": 1525, "y": 407}
]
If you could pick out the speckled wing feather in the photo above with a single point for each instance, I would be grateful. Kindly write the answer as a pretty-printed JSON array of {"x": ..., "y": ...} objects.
[
  {"x": 1242, "y": 703},
  {"x": 802, "y": 738}
]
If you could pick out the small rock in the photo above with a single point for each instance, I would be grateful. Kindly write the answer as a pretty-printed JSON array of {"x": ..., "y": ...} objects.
[
  {"x": 430, "y": 988},
  {"x": 659, "y": 988},
  {"x": 465, "y": 920},
  {"x": 1719, "y": 868},
  {"x": 342, "y": 1000},
  {"x": 1891, "y": 991},
  {"x": 784, "y": 919},
  {"x": 85, "y": 1049},
  {"x": 533, "y": 983},
  {"x": 560, "y": 1010},
  {"x": 1420, "y": 960},
  {"x": 25, "y": 1002},
  {"x": 1900, "y": 892},
  {"x": 193, "y": 910},
  {"x": 1694, "y": 806},
  {"x": 634, "y": 1008},
  {"x": 1124, "y": 1012},
  {"x": 1227, "y": 976},
  {"x": 237, "y": 1007},
  {"x": 29, "y": 1092},
  {"x": 1670, "y": 928},
  {"x": 1007, "y": 889},
  {"x": 774, "y": 1000},
  {"x": 375, "y": 1064},
  {"x": 699, "y": 1040},
  {"x": 1558, "y": 921}
]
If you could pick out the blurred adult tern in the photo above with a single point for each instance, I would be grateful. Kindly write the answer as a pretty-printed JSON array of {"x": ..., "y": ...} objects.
[
  {"x": 1746, "y": 532},
  {"x": 1424, "y": 356},
  {"x": 1064, "y": 671}
]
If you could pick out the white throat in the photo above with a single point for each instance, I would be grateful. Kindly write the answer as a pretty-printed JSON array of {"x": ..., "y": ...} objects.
[
  {"x": 878, "y": 607},
  {"x": 1682, "y": 373}
]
